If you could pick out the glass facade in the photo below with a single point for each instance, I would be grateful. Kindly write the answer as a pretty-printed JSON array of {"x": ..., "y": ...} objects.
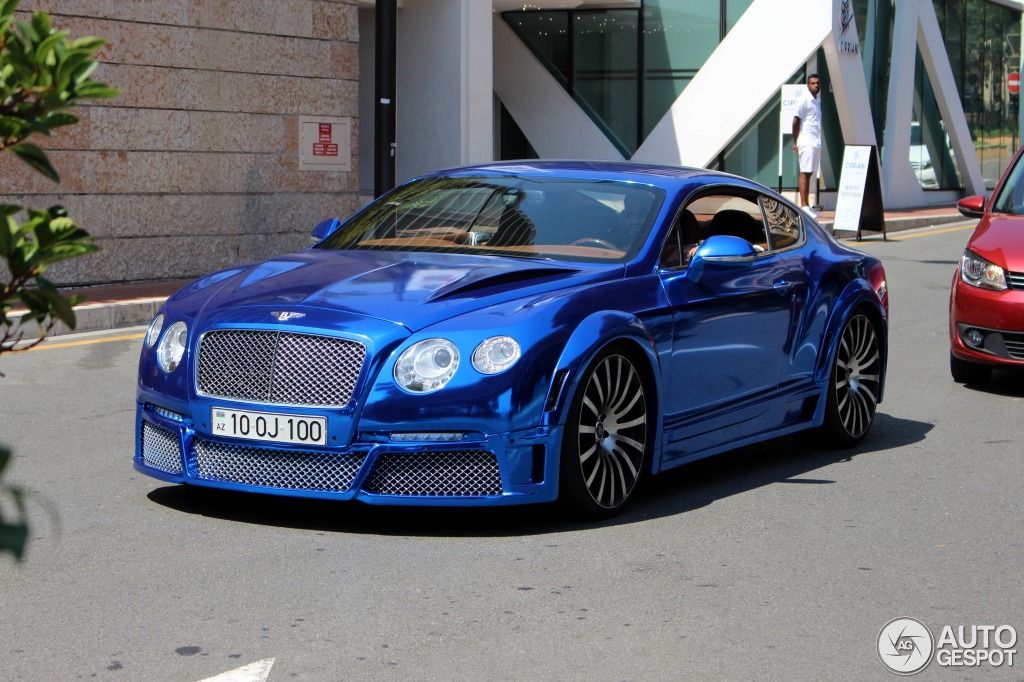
[
  {"x": 626, "y": 67},
  {"x": 983, "y": 43}
]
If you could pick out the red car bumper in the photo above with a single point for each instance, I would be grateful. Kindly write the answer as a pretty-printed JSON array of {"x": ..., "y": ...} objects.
[{"x": 997, "y": 315}]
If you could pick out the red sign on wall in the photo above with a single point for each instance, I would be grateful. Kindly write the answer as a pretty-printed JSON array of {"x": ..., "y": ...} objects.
[
  {"x": 1013, "y": 83},
  {"x": 325, "y": 143}
]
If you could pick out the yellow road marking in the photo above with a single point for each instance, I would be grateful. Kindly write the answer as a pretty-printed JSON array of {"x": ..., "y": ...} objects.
[
  {"x": 85, "y": 342},
  {"x": 929, "y": 233}
]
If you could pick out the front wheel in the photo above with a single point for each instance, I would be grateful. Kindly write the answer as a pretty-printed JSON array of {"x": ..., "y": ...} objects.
[
  {"x": 854, "y": 383},
  {"x": 607, "y": 438}
]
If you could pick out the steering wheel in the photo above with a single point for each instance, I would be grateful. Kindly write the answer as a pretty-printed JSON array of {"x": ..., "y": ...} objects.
[{"x": 595, "y": 242}]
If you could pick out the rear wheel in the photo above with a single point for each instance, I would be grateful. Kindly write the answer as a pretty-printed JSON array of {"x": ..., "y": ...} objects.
[
  {"x": 607, "y": 438},
  {"x": 965, "y": 372},
  {"x": 854, "y": 383}
]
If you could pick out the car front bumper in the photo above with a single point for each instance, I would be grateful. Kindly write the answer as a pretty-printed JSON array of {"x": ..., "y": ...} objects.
[
  {"x": 999, "y": 318},
  {"x": 476, "y": 470}
]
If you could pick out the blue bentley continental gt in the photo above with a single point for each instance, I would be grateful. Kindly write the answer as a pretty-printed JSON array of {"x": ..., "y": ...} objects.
[{"x": 514, "y": 333}]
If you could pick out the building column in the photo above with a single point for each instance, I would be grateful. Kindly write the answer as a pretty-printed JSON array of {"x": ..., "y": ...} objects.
[{"x": 445, "y": 85}]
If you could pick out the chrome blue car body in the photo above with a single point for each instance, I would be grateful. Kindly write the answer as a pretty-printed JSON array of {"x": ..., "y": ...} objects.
[{"x": 516, "y": 333}]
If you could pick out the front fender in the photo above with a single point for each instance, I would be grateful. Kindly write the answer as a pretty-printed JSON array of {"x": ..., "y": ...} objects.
[{"x": 594, "y": 333}]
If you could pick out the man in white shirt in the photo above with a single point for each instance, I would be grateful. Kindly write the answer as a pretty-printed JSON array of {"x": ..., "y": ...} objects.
[{"x": 807, "y": 139}]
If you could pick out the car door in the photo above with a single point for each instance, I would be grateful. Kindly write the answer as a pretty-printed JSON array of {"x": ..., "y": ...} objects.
[{"x": 733, "y": 326}]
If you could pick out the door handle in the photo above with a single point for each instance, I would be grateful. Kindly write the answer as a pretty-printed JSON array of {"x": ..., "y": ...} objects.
[{"x": 782, "y": 287}]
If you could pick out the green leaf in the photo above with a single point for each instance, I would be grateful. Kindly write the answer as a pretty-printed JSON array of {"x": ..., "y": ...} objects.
[
  {"x": 89, "y": 43},
  {"x": 41, "y": 24},
  {"x": 27, "y": 32},
  {"x": 60, "y": 119},
  {"x": 81, "y": 75},
  {"x": 59, "y": 307},
  {"x": 94, "y": 90},
  {"x": 35, "y": 157},
  {"x": 67, "y": 67},
  {"x": 13, "y": 537},
  {"x": 45, "y": 50}
]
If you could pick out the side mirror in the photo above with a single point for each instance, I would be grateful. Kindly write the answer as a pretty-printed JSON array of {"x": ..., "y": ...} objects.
[
  {"x": 325, "y": 229},
  {"x": 721, "y": 251},
  {"x": 971, "y": 207}
]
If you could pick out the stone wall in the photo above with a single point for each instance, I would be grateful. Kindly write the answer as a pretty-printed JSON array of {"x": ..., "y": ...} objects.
[{"x": 195, "y": 166}]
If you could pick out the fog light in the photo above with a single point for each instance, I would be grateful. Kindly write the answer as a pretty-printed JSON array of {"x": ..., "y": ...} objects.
[
  {"x": 973, "y": 337},
  {"x": 431, "y": 437}
]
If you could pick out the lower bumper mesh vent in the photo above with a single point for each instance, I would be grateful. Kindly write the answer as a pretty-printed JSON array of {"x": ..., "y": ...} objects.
[
  {"x": 440, "y": 474},
  {"x": 160, "y": 448},
  {"x": 275, "y": 468}
]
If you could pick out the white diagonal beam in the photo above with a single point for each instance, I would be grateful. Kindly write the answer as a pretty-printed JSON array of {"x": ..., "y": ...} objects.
[
  {"x": 553, "y": 123},
  {"x": 721, "y": 100}
]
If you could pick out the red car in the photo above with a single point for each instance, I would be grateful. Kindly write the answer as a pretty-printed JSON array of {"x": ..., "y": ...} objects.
[{"x": 986, "y": 302}]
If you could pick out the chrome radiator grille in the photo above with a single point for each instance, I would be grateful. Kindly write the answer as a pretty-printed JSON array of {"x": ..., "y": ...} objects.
[
  {"x": 278, "y": 368},
  {"x": 276, "y": 468},
  {"x": 160, "y": 448},
  {"x": 441, "y": 474}
]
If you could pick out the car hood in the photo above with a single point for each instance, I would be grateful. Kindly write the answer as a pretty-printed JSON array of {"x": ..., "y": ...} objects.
[
  {"x": 999, "y": 238},
  {"x": 414, "y": 290}
]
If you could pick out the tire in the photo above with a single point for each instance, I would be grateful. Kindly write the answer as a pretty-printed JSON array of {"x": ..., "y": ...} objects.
[
  {"x": 854, "y": 384},
  {"x": 965, "y": 372},
  {"x": 607, "y": 441}
]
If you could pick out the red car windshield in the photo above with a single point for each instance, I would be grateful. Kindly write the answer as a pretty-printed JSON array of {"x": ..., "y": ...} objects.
[
  {"x": 529, "y": 217},
  {"x": 1011, "y": 195}
]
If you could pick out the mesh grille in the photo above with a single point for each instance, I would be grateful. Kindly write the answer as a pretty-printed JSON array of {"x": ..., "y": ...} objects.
[
  {"x": 278, "y": 368},
  {"x": 276, "y": 468},
  {"x": 443, "y": 474},
  {"x": 160, "y": 448},
  {"x": 1014, "y": 344}
]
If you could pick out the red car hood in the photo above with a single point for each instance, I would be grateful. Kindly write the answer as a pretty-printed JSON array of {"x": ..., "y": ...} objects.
[{"x": 999, "y": 238}]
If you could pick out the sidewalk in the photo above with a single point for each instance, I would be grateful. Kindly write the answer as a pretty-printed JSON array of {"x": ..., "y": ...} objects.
[{"x": 132, "y": 305}]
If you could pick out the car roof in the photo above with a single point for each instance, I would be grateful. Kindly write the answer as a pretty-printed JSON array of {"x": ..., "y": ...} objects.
[{"x": 670, "y": 178}]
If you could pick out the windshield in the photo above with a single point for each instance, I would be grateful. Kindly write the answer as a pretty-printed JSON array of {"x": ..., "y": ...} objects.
[
  {"x": 1011, "y": 196},
  {"x": 552, "y": 218}
]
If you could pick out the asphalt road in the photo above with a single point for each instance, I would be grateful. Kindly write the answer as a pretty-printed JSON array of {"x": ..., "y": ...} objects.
[{"x": 776, "y": 562}]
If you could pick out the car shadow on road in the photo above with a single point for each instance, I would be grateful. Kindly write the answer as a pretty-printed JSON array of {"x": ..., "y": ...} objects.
[
  {"x": 1005, "y": 382},
  {"x": 783, "y": 460}
]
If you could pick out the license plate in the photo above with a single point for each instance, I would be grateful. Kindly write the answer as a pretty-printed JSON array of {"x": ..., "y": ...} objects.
[{"x": 278, "y": 428}]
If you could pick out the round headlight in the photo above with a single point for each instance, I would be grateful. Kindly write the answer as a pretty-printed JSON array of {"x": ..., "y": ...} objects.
[
  {"x": 153, "y": 333},
  {"x": 496, "y": 354},
  {"x": 427, "y": 366},
  {"x": 172, "y": 347}
]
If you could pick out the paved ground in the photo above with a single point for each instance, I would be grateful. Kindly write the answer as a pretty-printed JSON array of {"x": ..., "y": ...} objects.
[{"x": 132, "y": 305}]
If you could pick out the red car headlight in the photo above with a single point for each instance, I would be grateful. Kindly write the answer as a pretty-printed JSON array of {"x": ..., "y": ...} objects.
[{"x": 978, "y": 272}]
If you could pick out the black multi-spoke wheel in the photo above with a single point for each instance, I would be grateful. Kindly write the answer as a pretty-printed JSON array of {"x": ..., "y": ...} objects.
[
  {"x": 854, "y": 384},
  {"x": 606, "y": 438}
]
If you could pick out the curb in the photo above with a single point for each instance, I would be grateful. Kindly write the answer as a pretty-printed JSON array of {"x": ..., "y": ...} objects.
[{"x": 94, "y": 317}]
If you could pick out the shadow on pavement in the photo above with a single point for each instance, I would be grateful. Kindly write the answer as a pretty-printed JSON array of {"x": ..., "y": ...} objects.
[
  {"x": 783, "y": 460},
  {"x": 1004, "y": 382}
]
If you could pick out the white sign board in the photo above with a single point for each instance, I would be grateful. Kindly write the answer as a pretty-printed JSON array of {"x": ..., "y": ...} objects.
[
  {"x": 325, "y": 143},
  {"x": 852, "y": 182},
  {"x": 790, "y": 95}
]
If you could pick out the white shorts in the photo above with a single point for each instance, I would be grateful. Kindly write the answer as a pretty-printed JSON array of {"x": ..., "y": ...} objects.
[{"x": 810, "y": 157}]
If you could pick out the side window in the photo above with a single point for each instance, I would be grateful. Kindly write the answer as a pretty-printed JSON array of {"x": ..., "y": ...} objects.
[
  {"x": 737, "y": 216},
  {"x": 783, "y": 223},
  {"x": 671, "y": 253}
]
